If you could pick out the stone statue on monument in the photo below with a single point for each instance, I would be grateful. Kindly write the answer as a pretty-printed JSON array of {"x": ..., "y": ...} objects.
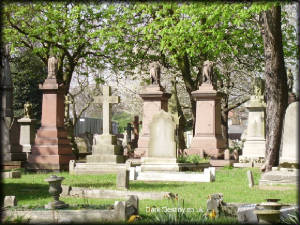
[
  {"x": 259, "y": 87},
  {"x": 207, "y": 72},
  {"x": 290, "y": 80},
  {"x": 155, "y": 73},
  {"x": 52, "y": 67},
  {"x": 27, "y": 109}
]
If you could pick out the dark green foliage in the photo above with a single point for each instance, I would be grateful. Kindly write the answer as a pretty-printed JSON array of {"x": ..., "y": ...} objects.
[
  {"x": 122, "y": 119},
  {"x": 28, "y": 71}
]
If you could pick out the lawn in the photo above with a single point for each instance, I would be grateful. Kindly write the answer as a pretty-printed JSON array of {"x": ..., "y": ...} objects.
[{"x": 31, "y": 189}]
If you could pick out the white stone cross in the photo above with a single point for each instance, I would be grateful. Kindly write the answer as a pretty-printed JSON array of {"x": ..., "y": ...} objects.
[{"x": 106, "y": 100}]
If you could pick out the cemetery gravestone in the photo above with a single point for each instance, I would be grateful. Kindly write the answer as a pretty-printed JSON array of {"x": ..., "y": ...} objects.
[
  {"x": 254, "y": 146},
  {"x": 154, "y": 99},
  {"x": 11, "y": 149},
  {"x": 106, "y": 150},
  {"x": 208, "y": 134},
  {"x": 27, "y": 131},
  {"x": 289, "y": 151},
  {"x": 52, "y": 149},
  {"x": 162, "y": 145}
]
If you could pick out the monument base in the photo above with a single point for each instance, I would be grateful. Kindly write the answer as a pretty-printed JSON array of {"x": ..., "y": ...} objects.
[
  {"x": 95, "y": 168},
  {"x": 106, "y": 150},
  {"x": 212, "y": 146},
  {"x": 254, "y": 148},
  {"x": 280, "y": 176},
  {"x": 105, "y": 159},
  {"x": 52, "y": 150},
  {"x": 142, "y": 149}
]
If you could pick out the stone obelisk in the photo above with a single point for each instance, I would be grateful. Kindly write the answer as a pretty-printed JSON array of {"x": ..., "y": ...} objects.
[{"x": 52, "y": 150}]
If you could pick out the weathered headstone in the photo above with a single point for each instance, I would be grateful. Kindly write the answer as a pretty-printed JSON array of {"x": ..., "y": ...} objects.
[
  {"x": 123, "y": 179},
  {"x": 250, "y": 178},
  {"x": 289, "y": 149},
  {"x": 10, "y": 147},
  {"x": 254, "y": 146},
  {"x": 154, "y": 99},
  {"x": 162, "y": 145},
  {"x": 208, "y": 134},
  {"x": 106, "y": 150},
  {"x": 136, "y": 124},
  {"x": 189, "y": 136},
  {"x": 52, "y": 149},
  {"x": 27, "y": 130},
  {"x": 10, "y": 201}
]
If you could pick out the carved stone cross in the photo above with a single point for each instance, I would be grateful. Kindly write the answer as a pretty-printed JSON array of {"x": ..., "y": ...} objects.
[{"x": 106, "y": 100}]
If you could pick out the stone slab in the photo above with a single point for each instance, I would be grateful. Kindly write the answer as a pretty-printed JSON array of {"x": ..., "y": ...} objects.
[
  {"x": 245, "y": 214},
  {"x": 112, "y": 194},
  {"x": 95, "y": 168},
  {"x": 243, "y": 165},
  {"x": 121, "y": 211},
  {"x": 207, "y": 176},
  {"x": 11, "y": 174},
  {"x": 220, "y": 162},
  {"x": 279, "y": 177}
]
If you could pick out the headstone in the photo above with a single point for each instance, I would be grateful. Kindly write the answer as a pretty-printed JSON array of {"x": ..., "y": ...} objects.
[
  {"x": 189, "y": 136},
  {"x": 123, "y": 179},
  {"x": 52, "y": 149},
  {"x": 10, "y": 201},
  {"x": 10, "y": 133},
  {"x": 250, "y": 178},
  {"x": 227, "y": 154},
  {"x": 27, "y": 130},
  {"x": 208, "y": 137},
  {"x": 289, "y": 149},
  {"x": 245, "y": 214},
  {"x": 154, "y": 99},
  {"x": 128, "y": 132},
  {"x": 162, "y": 145},
  {"x": 254, "y": 146},
  {"x": 106, "y": 150},
  {"x": 214, "y": 202}
]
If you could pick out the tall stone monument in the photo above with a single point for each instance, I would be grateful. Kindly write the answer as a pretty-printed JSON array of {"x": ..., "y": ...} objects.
[
  {"x": 11, "y": 149},
  {"x": 52, "y": 149},
  {"x": 155, "y": 99},
  {"x": 106, "y": 149},
  {"x": 254, "y": 146},
  {"x": 289, "y": 149},
  {"x": 27, "y": 130},
  {"x": 208, "y": 137}
]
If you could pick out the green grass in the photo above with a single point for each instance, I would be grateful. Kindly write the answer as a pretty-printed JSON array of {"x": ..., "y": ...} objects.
[{"x": 31, "y": 189}]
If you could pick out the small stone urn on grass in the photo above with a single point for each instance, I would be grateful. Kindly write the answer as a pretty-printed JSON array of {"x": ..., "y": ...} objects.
[{"x": 55, "y": 189}]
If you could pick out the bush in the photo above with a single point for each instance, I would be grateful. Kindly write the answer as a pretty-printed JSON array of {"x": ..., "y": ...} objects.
[{"x": 191, "y": 159}]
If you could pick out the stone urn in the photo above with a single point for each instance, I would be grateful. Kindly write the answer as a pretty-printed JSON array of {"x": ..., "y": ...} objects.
[
  {"x": 270, "y": 212},
  {"x": 55, "y": 190}
]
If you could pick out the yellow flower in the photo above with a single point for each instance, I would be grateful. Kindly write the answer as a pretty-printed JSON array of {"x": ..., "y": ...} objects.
[
  {"x": 212, "y": 214},
  {"x": 133, "y": 218}
]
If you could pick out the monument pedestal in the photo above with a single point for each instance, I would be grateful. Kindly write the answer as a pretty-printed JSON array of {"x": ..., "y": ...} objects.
[
  {"x": 155, "y": 99},
  {"x": 106, "y": 150},
  {"x": 208, "y": 137},
  {"x": 27, "y": 133},
  {"x": 52, "y": 149},
  {"x": 254, "y": 146}
]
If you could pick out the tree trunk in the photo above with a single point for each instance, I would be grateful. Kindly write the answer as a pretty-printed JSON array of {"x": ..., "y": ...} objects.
[
  {"x": 182, "y": 120},
  {"x": 224, "y": 118},
  {"x": 276, "y": 83}
]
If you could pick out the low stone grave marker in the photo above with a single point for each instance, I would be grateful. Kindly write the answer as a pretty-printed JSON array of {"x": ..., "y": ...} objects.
[
  {"x": 11, "y": 174},
  {"x": 10, "y": 201},
  {"x": 119, "y": 212},
  {"x": 250, "y": 178},
  {"x": 123, "y": 179}
]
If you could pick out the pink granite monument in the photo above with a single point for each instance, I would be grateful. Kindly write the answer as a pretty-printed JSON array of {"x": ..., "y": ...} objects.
[
  {"x": 52, "y": 149},
  {"x": 155, "y": 99},
  {"x": 208, "y": 137}
]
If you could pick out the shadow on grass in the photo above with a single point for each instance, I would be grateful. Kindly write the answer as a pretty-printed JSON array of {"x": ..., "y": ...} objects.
[{"x": 24, "y": 191}]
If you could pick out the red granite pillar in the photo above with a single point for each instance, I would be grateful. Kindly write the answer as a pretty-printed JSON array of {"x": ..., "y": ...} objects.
[{"x": 52, "y": 149}]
